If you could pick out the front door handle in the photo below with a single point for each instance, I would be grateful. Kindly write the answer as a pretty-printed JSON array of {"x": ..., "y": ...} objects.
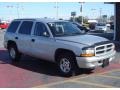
[
  {"x": 16, "y": 37},
  {"x": 33, "y": 40}
]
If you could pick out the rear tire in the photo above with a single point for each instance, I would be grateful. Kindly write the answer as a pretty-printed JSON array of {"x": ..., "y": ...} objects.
[
  {"x": 66, "y": 64},
  {"x": 14, "y": 54}
]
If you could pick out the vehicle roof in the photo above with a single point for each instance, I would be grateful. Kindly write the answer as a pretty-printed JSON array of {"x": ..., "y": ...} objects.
[{"x": 45, "y": 20}]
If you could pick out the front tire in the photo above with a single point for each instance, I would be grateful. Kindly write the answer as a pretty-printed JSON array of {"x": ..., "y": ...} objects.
[
  {"x": 66, "y": 64},
  {"x": 14, "y": 53}
]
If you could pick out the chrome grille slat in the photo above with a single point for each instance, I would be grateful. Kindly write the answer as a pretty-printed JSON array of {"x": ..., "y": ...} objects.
[{"x": 103, "y": 49}]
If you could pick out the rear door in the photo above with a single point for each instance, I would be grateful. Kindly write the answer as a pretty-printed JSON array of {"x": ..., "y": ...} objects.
[{"x": 24, "y": 37}]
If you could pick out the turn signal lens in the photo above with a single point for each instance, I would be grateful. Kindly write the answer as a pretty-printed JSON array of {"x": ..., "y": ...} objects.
[
  {"x": 87, "y": 55},
  {"x": 88, "y": 52}
]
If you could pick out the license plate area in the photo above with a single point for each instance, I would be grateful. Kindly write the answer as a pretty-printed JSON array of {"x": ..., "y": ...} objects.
[{"x": 105, "y": 63}]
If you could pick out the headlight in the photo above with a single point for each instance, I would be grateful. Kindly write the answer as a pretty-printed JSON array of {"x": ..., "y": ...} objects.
[{"x": 88, "y": 52}]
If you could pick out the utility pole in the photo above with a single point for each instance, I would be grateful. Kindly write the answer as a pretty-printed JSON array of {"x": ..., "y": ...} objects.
[
  {"x": 81, "y": 11},
  {"x": 18, "y": 10},
  {"x": 22, "y": 11},
  {"x": 93, "y": 11},
  {"x": 10, "y": 12},
  {"x": 100, "y": 14},
  {"x": 56, "y": 6}
]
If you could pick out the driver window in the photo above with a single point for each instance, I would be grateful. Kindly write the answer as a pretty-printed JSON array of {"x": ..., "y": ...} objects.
[{"x": 41, "y": 30}]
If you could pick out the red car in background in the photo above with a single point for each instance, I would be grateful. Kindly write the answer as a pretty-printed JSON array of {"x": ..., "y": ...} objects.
[{"x": 3, "y": 25}]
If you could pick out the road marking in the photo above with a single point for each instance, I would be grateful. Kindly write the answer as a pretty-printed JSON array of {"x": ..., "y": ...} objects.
[
  {"x": 109, "y": 71},
  {"x": 51, "y": 84},
  {"x": 73, "y": 78},
  {"x": 60, "y": 82},
  {"x": 93, "y": 84},
  {"x": 109, "y": 76}
]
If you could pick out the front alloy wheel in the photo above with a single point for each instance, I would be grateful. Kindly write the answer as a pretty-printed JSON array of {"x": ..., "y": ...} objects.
[{"x": 65, "y": 65}]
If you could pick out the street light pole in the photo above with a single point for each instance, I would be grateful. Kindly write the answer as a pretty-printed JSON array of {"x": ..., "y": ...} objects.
[
  {"x": 94, "y": 14},
  {"x": 56, "y": 6},
  {"x": 10, "y": 12},
  {"x": 100, "y": 14},
  {"x": 18, "y": 10},
  {"x": 81, "y": 10}
]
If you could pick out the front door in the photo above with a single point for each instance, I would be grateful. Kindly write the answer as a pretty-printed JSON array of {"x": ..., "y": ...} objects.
[{"x": 42, "y": 45}]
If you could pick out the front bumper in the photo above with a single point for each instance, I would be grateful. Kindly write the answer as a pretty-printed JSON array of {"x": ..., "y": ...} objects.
[
  {"x": 101, "y": 29},
  {"x": 92, "y": 62}
]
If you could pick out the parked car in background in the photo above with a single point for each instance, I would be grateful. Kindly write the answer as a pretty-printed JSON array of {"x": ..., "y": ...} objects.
[
  {"x": 3, "y": 25},
  {"x": 92, "y": 26},
  {"x": 101, "y": 27},
  {"x": 82, "y": 28}
]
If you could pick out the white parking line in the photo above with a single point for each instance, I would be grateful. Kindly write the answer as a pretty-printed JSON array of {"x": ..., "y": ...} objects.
[
  {"x": 75, "y": 78},
  {"x": 108, "y": 76},
  {"x": 93, "y": 84},
  {"x": 110, "y": 71}
]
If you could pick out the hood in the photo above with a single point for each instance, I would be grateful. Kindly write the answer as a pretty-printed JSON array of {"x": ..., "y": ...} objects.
[{"x": 83, "y": 39}]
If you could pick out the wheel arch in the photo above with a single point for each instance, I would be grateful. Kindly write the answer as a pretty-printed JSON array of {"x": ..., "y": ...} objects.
[
  {"x": 62, "y": 50},
  {"x": 10, "y": 42}
]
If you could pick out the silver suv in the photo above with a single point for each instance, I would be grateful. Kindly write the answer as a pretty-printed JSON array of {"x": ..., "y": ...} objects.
[{"x": 57, "y": 41}]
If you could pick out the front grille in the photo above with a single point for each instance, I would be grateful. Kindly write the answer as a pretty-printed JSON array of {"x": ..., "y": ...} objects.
[{"x": 103, "y": 49}]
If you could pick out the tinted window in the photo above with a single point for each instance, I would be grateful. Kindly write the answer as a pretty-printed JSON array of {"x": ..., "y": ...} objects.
[
  {"x": 13, "y": 26},
  {"x": 40, "y": 29},
  {"x": 26, "y": 27}
]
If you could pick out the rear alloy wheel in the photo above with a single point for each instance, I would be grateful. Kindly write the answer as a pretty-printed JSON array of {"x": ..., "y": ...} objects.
[
  {"x": 13, "y": 53},
  {"x": 66, "y": 64}
]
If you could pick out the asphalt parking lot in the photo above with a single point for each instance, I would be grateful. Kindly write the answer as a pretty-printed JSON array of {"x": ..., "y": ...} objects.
[{"x": 32, "y": 72}]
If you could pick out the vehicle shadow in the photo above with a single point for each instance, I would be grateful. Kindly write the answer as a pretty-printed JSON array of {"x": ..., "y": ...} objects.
[
  {"x": 4, "y": 57},
  {"x": 35, "y": 65}
]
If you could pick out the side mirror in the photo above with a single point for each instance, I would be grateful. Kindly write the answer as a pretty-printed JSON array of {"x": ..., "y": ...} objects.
[{"x": 45, "y": 34}]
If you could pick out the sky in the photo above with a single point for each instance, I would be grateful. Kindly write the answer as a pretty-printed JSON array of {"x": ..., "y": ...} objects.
[{"x": 11, "y": 10}]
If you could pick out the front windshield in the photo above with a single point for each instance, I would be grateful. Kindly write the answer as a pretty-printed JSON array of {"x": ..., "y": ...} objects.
[{"x": 63, "y": 29}]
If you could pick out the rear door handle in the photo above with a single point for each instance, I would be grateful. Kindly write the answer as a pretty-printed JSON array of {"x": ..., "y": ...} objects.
[
  {"x": 33, "y": 40},
  {"x": 16, "y": 37}
]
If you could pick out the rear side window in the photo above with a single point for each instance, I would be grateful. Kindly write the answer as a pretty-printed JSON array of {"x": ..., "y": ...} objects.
[
  {"x": 26, "y": 27},
  {"x": 13, "y": 26}
]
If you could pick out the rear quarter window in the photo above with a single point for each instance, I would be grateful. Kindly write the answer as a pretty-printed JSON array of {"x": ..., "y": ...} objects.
[{"x": 13, "y": 26}]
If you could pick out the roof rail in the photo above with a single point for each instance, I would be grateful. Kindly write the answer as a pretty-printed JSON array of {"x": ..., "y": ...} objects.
[{"x": 25, "y": 19}]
